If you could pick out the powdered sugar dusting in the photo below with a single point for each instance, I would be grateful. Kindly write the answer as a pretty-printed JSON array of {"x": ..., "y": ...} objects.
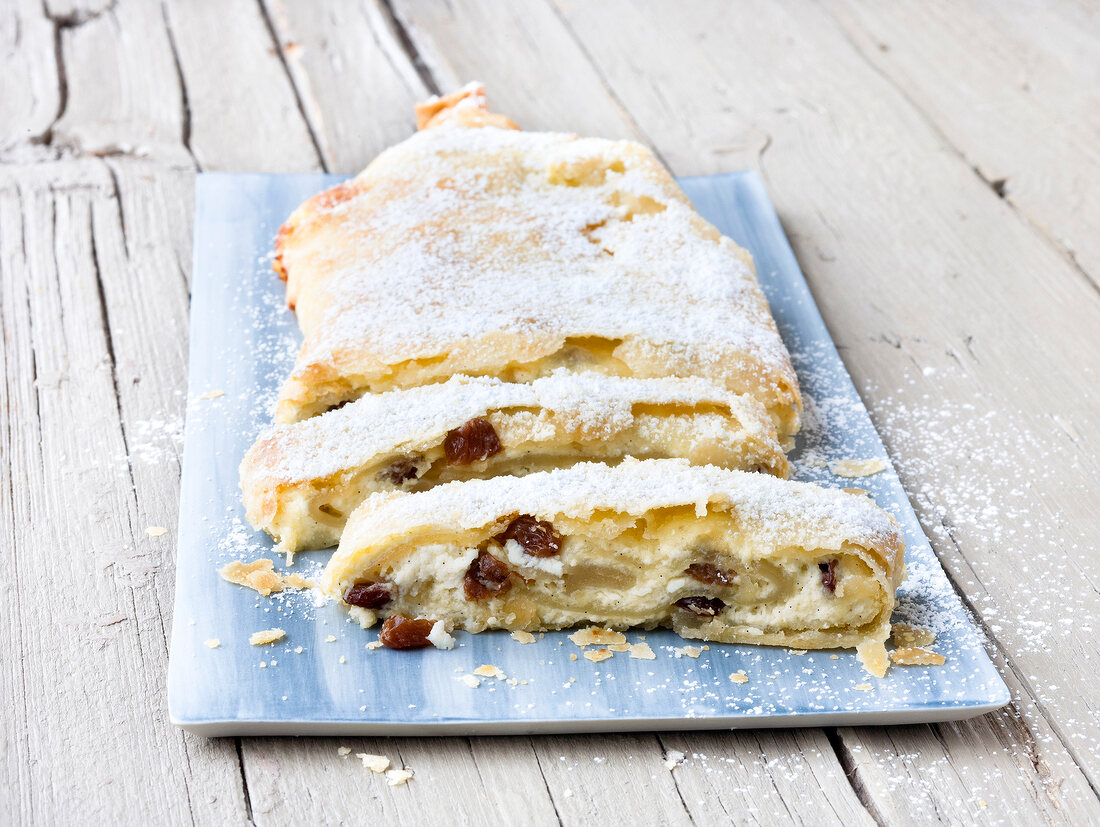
[
  {"x": 502, "y": 244},
  {"x": 414, "y": 419}
]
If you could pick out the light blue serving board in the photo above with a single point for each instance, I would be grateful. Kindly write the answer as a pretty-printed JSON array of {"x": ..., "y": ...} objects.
[{"x": 243, "y": 342}]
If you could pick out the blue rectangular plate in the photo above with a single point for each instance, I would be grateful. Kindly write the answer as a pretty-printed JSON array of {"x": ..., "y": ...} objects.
[{"x": 243, "y": 342}]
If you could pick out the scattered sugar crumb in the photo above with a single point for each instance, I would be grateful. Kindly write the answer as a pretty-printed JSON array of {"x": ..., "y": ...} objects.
[
  {"x": 916, "y": 656},
  {"x": 374, "y": 644},
  {"x": 673, "y": 759},
  {"x": 396, "y": 778},
  {"x": 487, "y": 670},
  {"x": 688, "y": 651},
  {"x": 263, "y": 664},
  {"x": 596, "y": 655},
  {"x": 211, "y": 394},
  {"x": 470, "y": 681},
  {"x": 796, "y": 651},
  {"x": 296, "y": 581},
  {"x": 857, "y": 467},
  {"x": 298, "y": 650},
  {"x": 595, "y": 636},
  {"x": 642, "y": 651},
  {"x": 343, "y": 751},
  {"x": 863, "y": 687},
  {"x": 906, "y": 635},
  {"x": 156, "y": 530},
  {"x": 213, "y": 643},
  {"x": 569, "y": 794},
  {"x": 572, "y": 656},
  {"x": 834, "y": 657},
  {"x": 330, "y": 639},
  {"x": 739, "y": 676},
  {"x": 343, "y": 659},
  {"x": 859, "y": 492},
  {"x": 266, "y": 636},
  {"x": 523, "y": 637},
  {"x": 439, "y": 637},
  {"x": 259, "y": 575},
  {"x": 374, "y": 763}
]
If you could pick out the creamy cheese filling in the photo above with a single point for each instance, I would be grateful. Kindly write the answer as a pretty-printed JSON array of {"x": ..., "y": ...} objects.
[
  {"x": 624, "y": 572},
  {"x": 312, "y": 515}
]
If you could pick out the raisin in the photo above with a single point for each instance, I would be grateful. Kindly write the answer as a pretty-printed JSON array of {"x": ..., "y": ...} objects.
[
  {"x": 471, "y": 442},
  {"x": 710, "y": 574},
  {"x": 486, "y": 577},
  {"x": 369, "y": 595},
  {"x": 536, "y": 537},
  {"x": 701, "y": 606},
  {"x": 401, "y": 470},
  {"x": 828, "y": 575},
  {"x": 402, "y": 632}
]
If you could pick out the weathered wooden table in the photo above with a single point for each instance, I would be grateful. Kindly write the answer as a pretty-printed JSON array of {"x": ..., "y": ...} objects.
[{"x": 936, "y": 167}]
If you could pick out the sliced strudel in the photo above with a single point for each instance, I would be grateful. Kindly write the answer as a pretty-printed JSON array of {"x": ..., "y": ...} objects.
[
  {"x": 302, "y": 480},
  {"x": 714, "y": 554},
  {"x": 473, "y": 247}
]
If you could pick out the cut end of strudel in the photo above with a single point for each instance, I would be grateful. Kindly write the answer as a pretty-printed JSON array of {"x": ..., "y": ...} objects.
[
  {"x": 714, "y": 554},
  {"x": 473, "y": 247},
  {"x": 301, "y": 481}
]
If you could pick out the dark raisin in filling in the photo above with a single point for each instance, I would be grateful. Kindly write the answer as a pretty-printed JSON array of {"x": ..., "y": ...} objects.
[
  {"x": 369, "y": 595},
  {"x": 401, "y": 632},
  {"x": 828, "y": 575},
  {"x": 701, "y": 606},
  {"x": 486, "y": 577},
  {"x": 400, "y": 470},
  {"x": 471, "y": 442},
  {"x": 710, "y": 574},
  {"x": 536, "y": 537}
]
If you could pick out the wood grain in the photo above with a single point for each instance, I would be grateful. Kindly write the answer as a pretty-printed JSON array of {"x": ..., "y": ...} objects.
[
  {"x": 963, "y": 316},
  {"x": 1026, "y": 116},
  {"x": 356, "y": 84},
  {"x": 92, "y": 591}
]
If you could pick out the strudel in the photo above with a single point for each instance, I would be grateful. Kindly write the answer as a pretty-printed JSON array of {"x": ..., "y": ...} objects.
[
  {"x": 715, "y": 554},
  {"x": 302, "y": 480},
  {"x": 477, "y": 248}
]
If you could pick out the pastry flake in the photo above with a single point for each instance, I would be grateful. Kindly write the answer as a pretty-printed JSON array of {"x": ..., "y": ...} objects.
[
  {"x": 476, "y": 248},
  {"x": 770, "y": 537},
  {"x": 302, "y": 480}
]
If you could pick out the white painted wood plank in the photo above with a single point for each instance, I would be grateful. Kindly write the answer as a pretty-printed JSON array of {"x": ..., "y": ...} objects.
[
  {"x": 89, "y": 585},
  {"x": 763, "y": 778},
  {"x": 30, "y": 91},
  {"x": 487, "y": 41},
  {"x": 357, "y": 86},
  {"x": 123, "y": 94},
  {"x": 455, "y": 781},
  {"x": 243, "y": 113},
  {"x": 1015, "y": 87}
]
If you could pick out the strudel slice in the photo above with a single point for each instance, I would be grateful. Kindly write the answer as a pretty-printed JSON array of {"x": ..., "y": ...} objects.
[
  {"x": 301, "y": 481},
  {"x": 714, "y": 554},
  {"x": 473, "y": 247}
]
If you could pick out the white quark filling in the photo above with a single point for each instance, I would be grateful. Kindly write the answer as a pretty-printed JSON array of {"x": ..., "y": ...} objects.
[
  {"x": 366, "y": 617},
  {"x": 529, "y": 563},
  {"x": 439, "y": 638},
  {"x": 435, "y": 561}
]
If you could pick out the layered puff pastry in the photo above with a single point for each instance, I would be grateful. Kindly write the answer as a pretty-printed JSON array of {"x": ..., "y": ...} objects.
[
  {"x": 715, "y": 554},
  {"x": 477, "y": 248},
  {"x": 302, "y": 480}
]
